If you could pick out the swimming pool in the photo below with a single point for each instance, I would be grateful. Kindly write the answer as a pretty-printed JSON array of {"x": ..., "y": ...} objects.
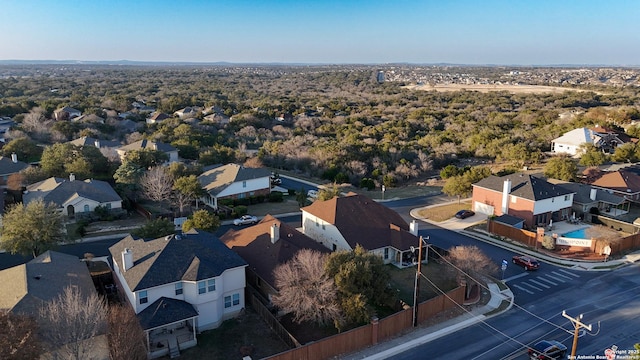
[{"x": 577, "y": 234}]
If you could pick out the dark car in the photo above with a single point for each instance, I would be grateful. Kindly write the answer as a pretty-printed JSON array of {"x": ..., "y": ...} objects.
[
  {"x": 463, "y": 214},
  {"x": 527, "y": 262},
  {"x": 547, "y": 350}
]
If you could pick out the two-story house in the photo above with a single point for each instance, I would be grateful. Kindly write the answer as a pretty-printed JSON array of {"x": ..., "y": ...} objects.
[
  {"x": 179, "y": 285},
  {"x": 525, "y": 196},
  {"x": 233, "y": 181},
  {"x": 342, "y": 223},
  {"x": 264, "y": 247}
]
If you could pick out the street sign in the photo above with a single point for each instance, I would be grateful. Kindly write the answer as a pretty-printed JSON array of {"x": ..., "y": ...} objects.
[{"x": 504, "y": 262}]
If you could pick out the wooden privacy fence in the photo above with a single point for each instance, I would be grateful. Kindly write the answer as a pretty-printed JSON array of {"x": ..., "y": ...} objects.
[
  {"x": 370, "y": 334},
  {"x": 523, "y": 236},
  {"x": 270, "y": 319}
]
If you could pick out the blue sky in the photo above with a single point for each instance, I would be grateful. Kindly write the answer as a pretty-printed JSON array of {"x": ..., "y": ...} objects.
[{"x": 518, "y": 32}]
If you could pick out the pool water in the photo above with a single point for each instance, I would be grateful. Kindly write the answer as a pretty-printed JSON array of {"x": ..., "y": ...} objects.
[{"x": 577, "y": 234}]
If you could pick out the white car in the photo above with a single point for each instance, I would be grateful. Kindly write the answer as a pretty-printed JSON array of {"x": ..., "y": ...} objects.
[
  {"x": 245, "y": 220},
  {"x": 312, "y": 194}
]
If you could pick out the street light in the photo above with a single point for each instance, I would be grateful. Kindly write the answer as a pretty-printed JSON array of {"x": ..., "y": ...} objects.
[{"x": 416, "y": 288}]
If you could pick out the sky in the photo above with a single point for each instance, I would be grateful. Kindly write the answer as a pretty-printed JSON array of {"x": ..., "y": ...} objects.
[{"x": 511, "y": 32}]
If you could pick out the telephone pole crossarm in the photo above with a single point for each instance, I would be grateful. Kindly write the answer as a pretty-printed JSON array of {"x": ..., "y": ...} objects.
[{"x": 577, "y": 324}]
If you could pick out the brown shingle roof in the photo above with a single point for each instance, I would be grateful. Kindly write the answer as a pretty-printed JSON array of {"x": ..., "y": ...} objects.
[
  {"x": 254, "y": 245},
  {"x": 363, "y": 221},
  {"x": 621, "y": 180}
]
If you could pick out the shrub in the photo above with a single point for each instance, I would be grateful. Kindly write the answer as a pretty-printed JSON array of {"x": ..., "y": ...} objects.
[
  {"x": 548, "y": 242},
  {"x": 276, "y": 196},
  {"x": 240, "y": 210}
]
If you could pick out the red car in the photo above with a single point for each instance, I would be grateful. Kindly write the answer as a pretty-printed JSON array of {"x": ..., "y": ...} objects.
[{"x": 527, "y": 262}]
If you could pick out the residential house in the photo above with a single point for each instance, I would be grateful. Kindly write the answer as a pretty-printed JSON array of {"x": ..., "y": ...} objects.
[
  {"x": 525, "y": 196},
  {"x": 89, "y": 118},
  {"x": 66, "y": 113},
  {"x": 233, "y": 181},
  {"x": 342, "y": 223},
  {"x": 179, "y": 285},
  {"x": 25, "y": 289},
  {"x": 624, "y": 183},
  {"x": 603, "y": 138},
  {"x": 610, "y": 139},
  {"x": 5, "y": 124},
  {"x": 264, "y": 247},
  {"x": 75, "y": 198},
  {"x": 187, "y": 112},
  {"x": 10, "y": 166},
  {"x": 171, "y": 152},
  {"x": 158, "y": 117},
  {"x": 98, "y": 143},
  {"x": 587, "y": 197}
]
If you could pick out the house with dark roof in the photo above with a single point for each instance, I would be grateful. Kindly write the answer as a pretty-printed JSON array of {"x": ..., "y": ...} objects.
[
  {"x": 605, "y": 139},
  {"x": 179, "y": 285},
  {"x": 342, "y": 223},
  {"x": 75, "y": 198},
  {"x": 10, "y": 166},
  {"x": 66, "y": 113},
  {"x": 171, "y": 152},
  {"x": 98, "y": 143},
  {"x": 158, "y": 117},
  {"x": 233, "y": 181},
  {"x": 264, "y": 247},
  {"x": 531, "y": 198},
  {"x": 25, "y": 289},
  {"x": 587, "y": 198},
  {"x": 187, "y": 112},
  {"x": 624, "y": 183}
]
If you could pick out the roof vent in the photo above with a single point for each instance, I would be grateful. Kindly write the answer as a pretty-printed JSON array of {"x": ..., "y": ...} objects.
[{"x": 37, "y": 277}]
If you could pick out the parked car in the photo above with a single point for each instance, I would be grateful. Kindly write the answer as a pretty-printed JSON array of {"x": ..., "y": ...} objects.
[
  {"x": 245, "y": 220},
  {"x": 527, "y": 262},
  {"x": 275, "y": 179},
  {"x": 312, "y": 194},
  {"x": 547, "y": 350},
  {"x": 463, "y": 214}
]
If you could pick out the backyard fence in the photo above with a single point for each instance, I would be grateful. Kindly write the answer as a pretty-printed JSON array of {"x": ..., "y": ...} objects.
[{"x": 370, "y": 334}]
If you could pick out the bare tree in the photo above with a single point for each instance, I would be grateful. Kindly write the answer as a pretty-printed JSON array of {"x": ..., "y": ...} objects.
[
  {"x": 306, "y": 291},
  {"x": 72, "y": 320},
  {"x": 470, "y": 263},
  {"x": 126, "y": 337},
  {"x": 18, "y": 337},
  {"x": 156, "y": 184}
]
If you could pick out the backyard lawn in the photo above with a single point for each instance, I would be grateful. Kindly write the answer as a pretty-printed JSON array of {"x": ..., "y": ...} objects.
[{"x": 444, "y": 212}]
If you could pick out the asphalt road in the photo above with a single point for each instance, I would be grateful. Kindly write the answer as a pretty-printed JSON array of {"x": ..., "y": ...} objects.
[{"x": 609, "y": 301}]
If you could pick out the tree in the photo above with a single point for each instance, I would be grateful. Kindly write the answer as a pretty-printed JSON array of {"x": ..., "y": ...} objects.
[
  {"x": 154, "y": 229},
  {"x": 470, "y": 263},
  {"x": 31, "y": 229},
  {"x": 26, "y": 149},
  {"x": 156, "y": 184},
  {"x": 329, "y": 193},
  {"x": 457, "y": 185},
  {"x": 626, "y": 153},
  {"x": 362, "y": 280},
  {"x": 128, "y": 173},
  {"x": 305, "y": 290},
  {"x": 561, "y": 168},
  {"x": 61, "y": 159},
  {"x": 591, "y": 155},
  {"x": 73, "y": 318},
  {"x": 203, "y": 220},
  {"x": 18, "y": 337},
  {"x": 146, "y": 158},
  {"x": 126, "y": 337},
  {"x": 190, "y": 187}
]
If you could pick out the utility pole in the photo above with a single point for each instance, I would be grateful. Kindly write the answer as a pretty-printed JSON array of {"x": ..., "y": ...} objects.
[
  {"x": 577, "y": 324},
  {"x": 416, "y": 289}
]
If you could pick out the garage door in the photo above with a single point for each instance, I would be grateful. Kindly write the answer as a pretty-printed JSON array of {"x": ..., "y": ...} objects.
[{"x": 482, "y": 208}]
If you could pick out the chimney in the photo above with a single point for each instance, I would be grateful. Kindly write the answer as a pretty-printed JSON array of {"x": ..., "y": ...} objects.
[
  {"x": 275, "y": 233},
  {"x": 127, "y": 259},
  {"x": 413, "y": 227},
  {"x": 14, "y": 157},
  {"x": 72, "y": 177},
  {"x": 97, "y": 143},
  {"x": 593, "y": 194},
  {"x": 506, "y": 190}
]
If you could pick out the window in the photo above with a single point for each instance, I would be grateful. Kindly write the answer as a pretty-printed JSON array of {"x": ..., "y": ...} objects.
[
  {"x": 566, "y": 198},
  {"x": 244, "y": 184},
  {"x": 86, "y": 208},
  {"x": 317, "y": 224},
  {"x": 386, "y": 253},
  {"x": 108, "y": 206},
  {"x": 202, "y": 287},
  {"x": 143, "y": 297},
  {"x": 334, "y": 247},
  {"x": 179, "y": 288},
  {"x": 322, "y": 226},
  {"x": 233, "y": 300},
  {"x": 211, "y": 285}
]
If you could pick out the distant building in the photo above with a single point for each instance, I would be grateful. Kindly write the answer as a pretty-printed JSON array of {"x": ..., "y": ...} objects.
[
  {"x": 233, "y": 181},
  {"x": 66, "y": 113}
]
